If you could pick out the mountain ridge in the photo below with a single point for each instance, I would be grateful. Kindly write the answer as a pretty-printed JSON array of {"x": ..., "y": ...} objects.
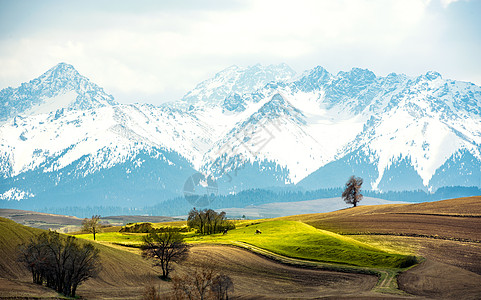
[
  {"x": 60, "y": 87},
  {"x": 312, "y": 130}
]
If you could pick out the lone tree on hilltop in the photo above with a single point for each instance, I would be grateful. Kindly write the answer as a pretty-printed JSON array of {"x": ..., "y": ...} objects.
[
  {"x": 164, "y": 248},
  {"x": 92, "y": 225},
  {"x": 352, "y": 193}
]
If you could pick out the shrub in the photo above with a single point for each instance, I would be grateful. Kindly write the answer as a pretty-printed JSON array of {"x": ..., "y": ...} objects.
[
  {"x": 151, "y": 293},
  {"x": 138, "y": 228},
  {"x": 408, "y": 261}
]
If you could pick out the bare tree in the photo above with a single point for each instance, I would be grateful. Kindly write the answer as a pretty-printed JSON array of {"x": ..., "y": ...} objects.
[
  {"x": 83, "y": 264},
  {"x": 203, "y": 282},
  {"x": 62, "y": 263},
  {"x": 164, "y": 248},
  {"x": 92, "y": 225},
  {"x": 352, "y": 193},
  {"x": 221, "y": 286}
]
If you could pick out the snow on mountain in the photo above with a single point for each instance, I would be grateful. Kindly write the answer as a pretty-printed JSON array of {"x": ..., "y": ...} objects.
[
  {"x": 62, "y": 134},
  {"x": 236, "y": 80},
  {"x": 60, "y": 87},
  {"x": 394, "y": 121},
  {"x": 15, "y": 194},
  {"x": 280, "y": 132},
  {"x": 62, "y": 150},
  {"x": 419, "y": 123},
  {"x": 122, "y": 129}
]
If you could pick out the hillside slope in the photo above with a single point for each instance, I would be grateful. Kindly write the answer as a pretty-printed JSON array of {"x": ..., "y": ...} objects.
[
  {"x": 458, "y": 219},
  {"x": 123, "y": 274},
  {"x": 447, "y": 231}
]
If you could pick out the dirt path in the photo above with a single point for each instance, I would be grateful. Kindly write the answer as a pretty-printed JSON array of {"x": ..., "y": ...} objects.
[
  {"x": 386, "y": 282},
  {"x": 258, "y": 277}
]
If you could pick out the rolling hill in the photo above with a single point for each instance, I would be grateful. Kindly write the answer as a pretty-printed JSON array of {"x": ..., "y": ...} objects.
[
  {"x": 446, "y": 274},
  {"x": 447, "y": 231},
  {"x": 457, "y": 219},
  {"x": 122, "y": 273},
  {"x": 299, "y": 240}
]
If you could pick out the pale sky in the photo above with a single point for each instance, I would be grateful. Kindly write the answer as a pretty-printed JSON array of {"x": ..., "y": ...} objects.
[{"x": 156, "y": 51}]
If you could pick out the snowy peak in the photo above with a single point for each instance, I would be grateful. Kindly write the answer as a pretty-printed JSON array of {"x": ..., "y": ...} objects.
[
  {"x": 352, "y": 82},
  {"x": 313, "y": 79},
  {"x": 263, "y": 137},
  {"x": 358, "y": 76},
  {"x": 279, "y": 107},
  {"x": 238, "y": 80},
  {"x": 431, "y": 75},
  {"x": 61, "y": 87},
  {"x": 62, "y": 74}
]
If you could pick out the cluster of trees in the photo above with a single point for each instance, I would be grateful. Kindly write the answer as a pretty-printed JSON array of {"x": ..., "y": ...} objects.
[
  {"x": 138, "y": 228},
  {"x": 208, "y": 221},
  {"x": 148, "y": 228},
  {"x": 59, "y": 262}
]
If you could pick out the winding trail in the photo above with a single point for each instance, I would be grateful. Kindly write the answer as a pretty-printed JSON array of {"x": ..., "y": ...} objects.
[{"x": 387, "y": 278}]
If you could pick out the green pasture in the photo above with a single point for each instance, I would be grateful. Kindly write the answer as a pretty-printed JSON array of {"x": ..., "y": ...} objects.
[
  {"x": 289, "y": 238},
  {"x": 119, "y": 238},
  {"x": 299, "y": 240}
]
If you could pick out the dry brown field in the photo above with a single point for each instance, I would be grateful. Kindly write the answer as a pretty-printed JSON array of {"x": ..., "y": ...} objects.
[{"x": 451, "y": 269}]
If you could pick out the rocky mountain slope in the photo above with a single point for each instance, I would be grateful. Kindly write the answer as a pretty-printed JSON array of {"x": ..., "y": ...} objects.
[{"x": 62, "y": 137}]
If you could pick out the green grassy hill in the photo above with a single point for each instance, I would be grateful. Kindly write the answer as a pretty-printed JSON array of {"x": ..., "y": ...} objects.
[{"x": 299, "y": 240}]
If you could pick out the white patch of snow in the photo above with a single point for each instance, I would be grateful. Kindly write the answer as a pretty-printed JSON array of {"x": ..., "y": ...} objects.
[
  {"x": 53, "y": 104},
  {"x": 15, "y": 194}
]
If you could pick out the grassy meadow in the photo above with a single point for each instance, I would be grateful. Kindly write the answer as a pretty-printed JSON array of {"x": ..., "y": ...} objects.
[{"x": 288, "y": 238}]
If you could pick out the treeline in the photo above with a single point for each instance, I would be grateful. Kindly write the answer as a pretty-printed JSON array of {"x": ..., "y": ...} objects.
[
  {"x": 423, "y": 196},
  {"x": 208, "y": 221},
  {"x": 88, "y": 211},
  {"x": 148, "y": 228},
  {"x": 179, "y": 206},
  {"x": 61, "y": 263}
]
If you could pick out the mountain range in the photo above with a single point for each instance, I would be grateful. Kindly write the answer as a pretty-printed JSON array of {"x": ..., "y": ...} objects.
[{"x": 65, "y": 141}]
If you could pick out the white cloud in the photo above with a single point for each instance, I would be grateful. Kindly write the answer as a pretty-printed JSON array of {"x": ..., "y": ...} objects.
[
  {"x": 446, "y": 3},
  {"x": 158, "y": 54}
]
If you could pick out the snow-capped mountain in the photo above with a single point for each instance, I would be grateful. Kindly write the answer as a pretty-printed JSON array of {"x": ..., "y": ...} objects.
[
  {"x": 395, "y": 131},
  {"x": 415, "y": 126},
  {"x": 62, "y": 136},
  {"x": 60, "y": 87},
  {"x": 235, "y": 81}
]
